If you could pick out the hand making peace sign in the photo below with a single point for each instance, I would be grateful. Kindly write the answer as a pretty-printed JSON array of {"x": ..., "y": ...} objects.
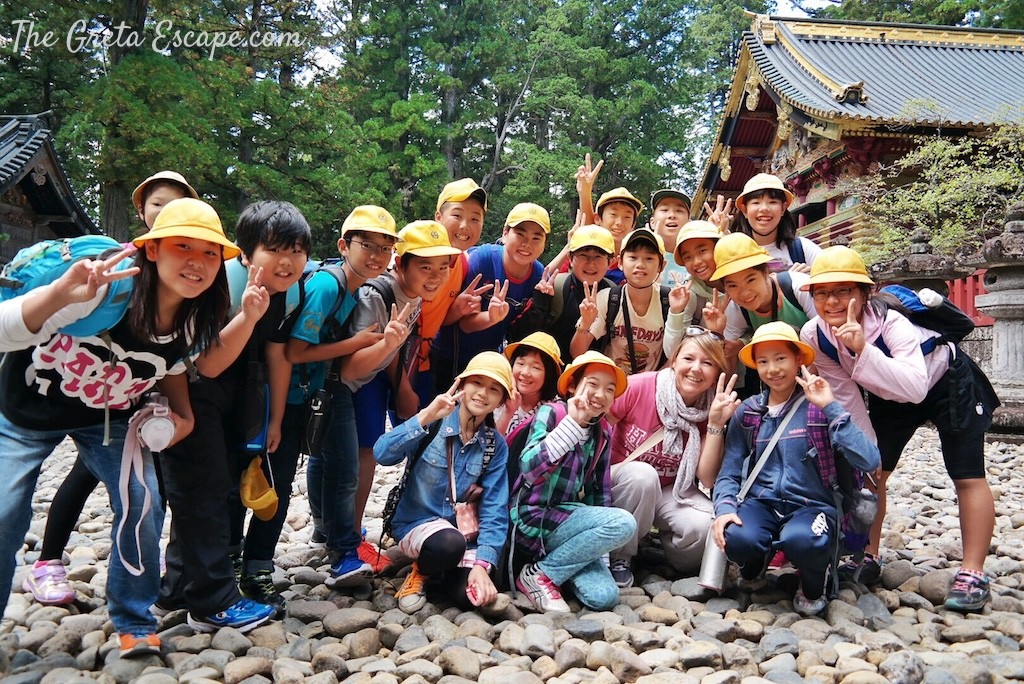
[
  {"x": 255, "y": 298},
  {"x": 851, "y": 333},
  {"x": 721, "y": 215},
  {"x": 397, "y": 329},
  {"x": 498, "y": 308},
  {"x": 679, "y": 295},
  {"x": 816, "y": 388},
  {"x": 468, "y": 302},
  {"x": 588, "y": 307},
  {"x": 85, "y": 277}
]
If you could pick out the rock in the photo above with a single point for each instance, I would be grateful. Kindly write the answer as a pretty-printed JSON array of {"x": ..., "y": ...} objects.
[
  {"x": 660, "y": 657},
  {"x": 438, "y": 629},
  {"x": 538, "y": 640},
  {"x": 896, "y": 572},
  {"x": 588, "y": 630},
  {"x": 429, "y": 671},
  {"x": 309, "y": 611},
  {"x": 365, "y": 642},
  {"x": 935, "y": 584},
  {"x": 344, "y": 621},
  {"x": 411, "y": 639},
  {"x": 780, "y": 641},
  {"x": 242, "y": 668},
  {"x": 700, "y": 654},
  {"x": 902, "y": 668},
  {"x": 231, "y": 640},
  {"x": 628, "y": 666},
  {"x": 459, "y": 661}
]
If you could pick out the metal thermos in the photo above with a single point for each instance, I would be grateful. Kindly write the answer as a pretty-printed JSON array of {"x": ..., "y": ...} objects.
[{"x": 712, "y": 566}]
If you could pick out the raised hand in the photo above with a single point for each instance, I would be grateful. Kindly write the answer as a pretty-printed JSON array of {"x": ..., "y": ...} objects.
[
  {"x": 714, "y": 313},
  {"x": 586, "y": 175},
  {"x": 679, "y": 295},
  {"x": 800, "y": 268},
  {"x": 468, "y": 301},
  {"x": 498, "y": 308},
  {"x": 367, "y": 337},
  {"x": 725, "y": 403},
  {"x": 851, "y": 333},
  {"x": 721, "y": 215},
  {"x": 85, "y": 277},
  {"x": 579, "y": 410},
  {"x": 816, "y": 388},
  {"x": 442, "y": 405},
  {"x": 546, "y": 284},
  {"x": 397, "y": 330},
  {"x": 255, "y": 298},
  {"x": 588, "y": 307}
]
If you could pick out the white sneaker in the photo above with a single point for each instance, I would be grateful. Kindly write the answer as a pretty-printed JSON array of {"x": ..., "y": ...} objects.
[
  {"x": 621, "y": 573},
  {"x": 542, "y": 591},
  {"x": 806, "y": 606}
]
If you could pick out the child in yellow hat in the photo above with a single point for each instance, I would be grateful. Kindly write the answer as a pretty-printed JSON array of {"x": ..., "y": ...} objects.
[
  {"x": 783, "y": 502},
  {"x": 763, "y": 215}
]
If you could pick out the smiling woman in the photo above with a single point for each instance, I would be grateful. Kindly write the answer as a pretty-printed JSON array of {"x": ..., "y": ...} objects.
[{"x": 667, "y": 440}]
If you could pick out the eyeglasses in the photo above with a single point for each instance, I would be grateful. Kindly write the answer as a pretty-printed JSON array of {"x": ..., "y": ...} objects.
[
  {"x": 373, "y": 248},
  {"x": 696, "y": 331},
  {"x": 839, "y": 293}
]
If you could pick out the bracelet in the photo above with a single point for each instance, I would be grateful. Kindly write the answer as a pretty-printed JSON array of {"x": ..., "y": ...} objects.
[
  {"x": 482, "y": 564},
  {"x": 716, "y": 430}
]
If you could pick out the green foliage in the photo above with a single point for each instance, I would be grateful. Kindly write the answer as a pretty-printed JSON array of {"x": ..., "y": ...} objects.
[
  {"x": 1003, "y": 14},
  {"x": 939, "y": 186}
]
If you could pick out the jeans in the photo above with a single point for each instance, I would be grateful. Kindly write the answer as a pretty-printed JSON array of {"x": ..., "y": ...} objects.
[
  {"x": 575, "y": 550},
  {"x": 22, "y": 453},
  {"x": 339, "y": 454}
]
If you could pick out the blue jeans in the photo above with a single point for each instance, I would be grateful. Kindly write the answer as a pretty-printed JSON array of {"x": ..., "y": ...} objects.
[
  {"x": 339, "y": 461},
  {"x": 22, "y": 453},
  {"x": 575, "y": 550}
]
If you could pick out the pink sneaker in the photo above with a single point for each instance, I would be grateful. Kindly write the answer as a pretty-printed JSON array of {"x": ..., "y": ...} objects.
[{"x": 48, "y": 583}]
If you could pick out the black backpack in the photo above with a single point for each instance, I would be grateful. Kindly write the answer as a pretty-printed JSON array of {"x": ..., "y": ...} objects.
[{"x": 614, "y": 304}]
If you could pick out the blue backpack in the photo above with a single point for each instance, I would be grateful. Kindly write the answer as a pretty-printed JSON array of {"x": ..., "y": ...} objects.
[{"x": 44, "y": 262}]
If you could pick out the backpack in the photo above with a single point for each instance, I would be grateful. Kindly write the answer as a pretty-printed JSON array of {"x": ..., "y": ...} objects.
[
  {"x": 564, "y": 285},
  {"x": 796, "y": 251},
  {"x": 786, "y": 284},
  {"x": 295, "y": 299},
  {"x": 614, "y": 304},
  {"x": 44, "y": 262},
  {"x": 945, "y": 318},
  {"x": 855, "y": 504}
]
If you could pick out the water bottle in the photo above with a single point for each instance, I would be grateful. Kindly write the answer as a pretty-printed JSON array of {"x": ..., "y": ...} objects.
[
  {"x": 713, "y": 565},
  {"x": 157, "y": 431}
]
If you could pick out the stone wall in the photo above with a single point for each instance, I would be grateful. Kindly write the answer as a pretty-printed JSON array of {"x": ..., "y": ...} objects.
[{"x": 979, "y": 345}]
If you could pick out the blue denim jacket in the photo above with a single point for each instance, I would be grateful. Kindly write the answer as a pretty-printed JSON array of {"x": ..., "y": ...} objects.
[{"x": 427, "y": 497}]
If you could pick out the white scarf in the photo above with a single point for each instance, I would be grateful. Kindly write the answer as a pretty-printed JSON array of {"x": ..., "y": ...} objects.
[{"x": 682, "y": 438}]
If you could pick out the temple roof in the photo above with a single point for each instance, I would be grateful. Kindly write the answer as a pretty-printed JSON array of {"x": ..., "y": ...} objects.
[
  {"x": 29, "y": 160},
  {"x": 839, "y": 79}
]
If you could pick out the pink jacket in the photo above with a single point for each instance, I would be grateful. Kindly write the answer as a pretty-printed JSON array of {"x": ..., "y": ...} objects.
[{"x": 905, "y": 377}]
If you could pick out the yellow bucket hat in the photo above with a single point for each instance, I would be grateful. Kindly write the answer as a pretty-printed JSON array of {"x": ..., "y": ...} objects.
[
  {"x": 542, "y": 342},
  {"x": 528, "y": 211},
  {"x": 776, "y": 331},
  {"x": 838, "y": 265},
  {"x": 737, "y": 252},
  {"x": 763, "y": 181},
  {"x": 592, "y": 236},
  {"x": 256, "y": 492},
  {"x": 585, "y": 359},
  {"x": 370, "y": 218},
  {"x": 460, "y": 191},
  {"x": 425, "y": 239},
  {"x": 643, "y": 235},
  {"x": 490, "y": 364},
  {"x": 619, "y": 195},
  {"x": 172, "y": 176},
  {"x": 694, "y": 230},
  {"x": 190, "y": 218}
]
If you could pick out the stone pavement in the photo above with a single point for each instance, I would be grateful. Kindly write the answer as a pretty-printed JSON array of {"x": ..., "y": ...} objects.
[{"x": 667, "y": 629}]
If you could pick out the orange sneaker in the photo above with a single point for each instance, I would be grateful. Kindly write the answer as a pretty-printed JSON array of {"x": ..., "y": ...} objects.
[
  {"x": 135, "y": 645},
  {"x": 371, "y": 554},
  {"x": 411, "y": 597}
]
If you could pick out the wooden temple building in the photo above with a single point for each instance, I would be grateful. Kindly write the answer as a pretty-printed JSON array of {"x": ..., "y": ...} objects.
[
  {"x": 818, "y": 101},
  {"x": 36, "y": 199}
]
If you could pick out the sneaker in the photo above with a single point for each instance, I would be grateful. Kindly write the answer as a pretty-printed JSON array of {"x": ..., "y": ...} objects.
[
  {"x": 868, "y": 571},
  {"x": 806, "y": 606},
  {"x": 244, "y": 615},
  {"x": 48, "y": 583},
  {"x": 543, "y": 593},
  {"x": 621, "y": 573},
  {"x": 135, "y": 645},
  {"x": 260, "y": 588},
  {"x": 162, "y": 610},
  {"x": 349, "y": 571},
  {"x": 969, "y": 592},
  {"x": 236, "y": 566},
  {"x": 318, "y": 538},
  {"x": 373, "y": 556},
  {"x": 778, "y": 560},
  {"x": 412, "y": 596}
]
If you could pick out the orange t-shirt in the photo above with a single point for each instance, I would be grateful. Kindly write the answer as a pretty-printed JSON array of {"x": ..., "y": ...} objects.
[{"x": 433, "y": 313}]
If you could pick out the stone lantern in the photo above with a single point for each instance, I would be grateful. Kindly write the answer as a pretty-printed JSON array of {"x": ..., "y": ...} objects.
[
  {"x": 1003, "y": 256},
  {"x": 921, "y": 267}
]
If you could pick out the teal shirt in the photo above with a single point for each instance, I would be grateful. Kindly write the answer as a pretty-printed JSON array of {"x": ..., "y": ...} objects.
[{"x": 321, "y": 294}]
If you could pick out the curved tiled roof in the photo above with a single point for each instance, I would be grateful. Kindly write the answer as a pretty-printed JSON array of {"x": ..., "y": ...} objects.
[{"x": 893, "y": 73}]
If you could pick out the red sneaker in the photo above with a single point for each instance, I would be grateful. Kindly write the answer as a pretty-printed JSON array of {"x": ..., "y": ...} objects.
[
  {"x": 371, "y": 554},
  {"x": 134, "y": 645},
  {"x": 778, "y": 560}
]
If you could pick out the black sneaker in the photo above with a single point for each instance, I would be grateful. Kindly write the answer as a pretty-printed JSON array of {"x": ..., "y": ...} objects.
[
  {"x": 236, "y": 566},
  {"x": 260, "y": 588},
  {"x": 868, "y": 571}
]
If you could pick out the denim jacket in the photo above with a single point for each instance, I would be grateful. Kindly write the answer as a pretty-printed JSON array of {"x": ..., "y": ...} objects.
[{"x": 427, "y": 497}]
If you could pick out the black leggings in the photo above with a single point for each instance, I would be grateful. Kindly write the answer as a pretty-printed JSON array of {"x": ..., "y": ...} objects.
[{"x": 440, "y": 555}]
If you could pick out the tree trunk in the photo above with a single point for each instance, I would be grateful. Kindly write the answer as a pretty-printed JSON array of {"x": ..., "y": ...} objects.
[{"x": 114, "y": 211}]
